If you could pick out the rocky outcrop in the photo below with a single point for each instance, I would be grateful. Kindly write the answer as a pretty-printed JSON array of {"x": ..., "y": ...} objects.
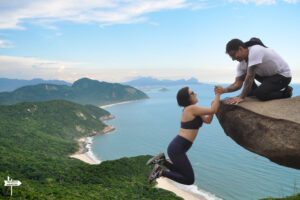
[
  {"x": 270, "y": 129},
  {"x": 106, "y": 117}
]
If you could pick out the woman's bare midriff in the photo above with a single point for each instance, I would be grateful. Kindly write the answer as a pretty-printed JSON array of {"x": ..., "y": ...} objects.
[{"x": 189, "y": 134}]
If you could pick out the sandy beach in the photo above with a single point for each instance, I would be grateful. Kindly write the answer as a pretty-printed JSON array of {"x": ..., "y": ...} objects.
[
  {"x": 123, "y": 102},
  {"x": 81, "y": 154},
  {"x": 164, "y": 183},
  {"x": 84, "y": 147}
]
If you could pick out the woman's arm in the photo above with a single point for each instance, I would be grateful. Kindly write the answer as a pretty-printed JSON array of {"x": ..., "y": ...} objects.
[
  {"x": 199, "y": 111},
  {"x": 208, "y": 118}
]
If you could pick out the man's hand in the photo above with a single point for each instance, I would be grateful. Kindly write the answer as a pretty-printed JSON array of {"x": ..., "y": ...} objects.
[
  {"x": 234, "y": 100},
  {"x": 219, "y": 89}
]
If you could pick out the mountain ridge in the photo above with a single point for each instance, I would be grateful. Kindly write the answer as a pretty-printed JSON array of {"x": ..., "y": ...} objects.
[
  {"x": 84, "y": 91},
  {"x": 8, "y": 85},
  {"x": 150, "y": 81}
]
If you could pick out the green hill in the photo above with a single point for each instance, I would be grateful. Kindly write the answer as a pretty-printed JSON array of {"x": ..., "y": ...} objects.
[
  {"x": 36, "y": 140},
  {"x": 84, "y": 91}
]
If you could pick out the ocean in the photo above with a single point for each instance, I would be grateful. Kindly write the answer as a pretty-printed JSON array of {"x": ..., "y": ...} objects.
[{"x": 223, "y": 169}]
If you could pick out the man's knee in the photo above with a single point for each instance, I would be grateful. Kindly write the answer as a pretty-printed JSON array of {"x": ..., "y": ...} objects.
[{"x": 261, "y": 95}]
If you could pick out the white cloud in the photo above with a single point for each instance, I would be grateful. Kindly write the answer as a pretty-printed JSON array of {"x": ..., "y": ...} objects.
[
  {"x": 291, "y": 1},
  {"x": 257, "y": 2},
  {"x": 261, "y": 2},
  {"x": 6, "y": 44},
  {"x": 17, "y": 12},
  {"x": 28, "y": 68},
  {"x": 154, "y": 23}
]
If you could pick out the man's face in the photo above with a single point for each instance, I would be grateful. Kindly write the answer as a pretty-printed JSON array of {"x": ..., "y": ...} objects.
[{"x": 238, "y": 55}]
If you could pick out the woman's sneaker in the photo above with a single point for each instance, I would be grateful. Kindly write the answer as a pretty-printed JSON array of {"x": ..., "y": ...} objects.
[
  {"x": 159, "y": 159},
  {"x": 155, "y": 173}
]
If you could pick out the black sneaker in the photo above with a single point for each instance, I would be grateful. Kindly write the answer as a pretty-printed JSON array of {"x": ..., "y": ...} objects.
[
  {"x": 159, "y": 159},
  {"x": 155, "y": 173},
  {"x": 288, "y": 92}
]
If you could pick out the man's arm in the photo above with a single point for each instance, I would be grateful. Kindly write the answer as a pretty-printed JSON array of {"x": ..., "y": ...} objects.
[
  {"x": 247, "y": 86},
  {"x": 248, "y": 81},
  {"x": 238, "y": 83}
]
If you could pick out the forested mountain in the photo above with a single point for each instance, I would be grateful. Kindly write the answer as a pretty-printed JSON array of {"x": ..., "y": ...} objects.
[
  {"x": 84, "y": 91},
  {"x": 36, "y": 140},
  {"x": 7, "y": 85}
]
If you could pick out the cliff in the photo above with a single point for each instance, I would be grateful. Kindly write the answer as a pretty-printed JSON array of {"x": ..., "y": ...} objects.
[{"x": 270, "y": 129}]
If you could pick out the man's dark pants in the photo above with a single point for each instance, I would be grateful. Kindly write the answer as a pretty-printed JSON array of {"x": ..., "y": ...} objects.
[{"x": 270, "y": 87}]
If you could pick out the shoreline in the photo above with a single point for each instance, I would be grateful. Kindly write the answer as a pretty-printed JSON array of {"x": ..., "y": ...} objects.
[
  {"x": 164, "y": 183},
  {"x": 85, "y": 153},
  {"x": 123, "y": 102}
]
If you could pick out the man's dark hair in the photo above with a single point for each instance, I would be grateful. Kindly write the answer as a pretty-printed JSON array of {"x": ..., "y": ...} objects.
[
  {"x": 254, "y": 41},
  {"x": 183, "y": 97},
  {"x": 234, "y": 44}
]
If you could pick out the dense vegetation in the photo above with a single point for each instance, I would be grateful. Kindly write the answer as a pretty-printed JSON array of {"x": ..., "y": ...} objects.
[
  {"x": 84, "y": 91},
  {"x": 36, "y": 140},
  {"x": 295, "y": 197}
]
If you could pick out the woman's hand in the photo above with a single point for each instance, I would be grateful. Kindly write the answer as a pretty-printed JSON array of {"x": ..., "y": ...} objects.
[{"x": 219, "y": 89}]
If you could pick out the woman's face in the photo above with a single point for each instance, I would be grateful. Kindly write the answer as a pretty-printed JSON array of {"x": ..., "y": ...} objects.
[{"x": 193, "y": 97}]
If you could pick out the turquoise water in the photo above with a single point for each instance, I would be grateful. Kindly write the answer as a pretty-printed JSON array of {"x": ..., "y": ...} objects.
[{"x": 222, "y": 167}]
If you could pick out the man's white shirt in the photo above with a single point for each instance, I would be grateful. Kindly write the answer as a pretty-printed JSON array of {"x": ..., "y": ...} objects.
[{"x": 267, "y": 60}]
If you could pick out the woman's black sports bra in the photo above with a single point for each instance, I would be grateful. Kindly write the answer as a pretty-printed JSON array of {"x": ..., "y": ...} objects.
[{"x": 196, "y": 123}]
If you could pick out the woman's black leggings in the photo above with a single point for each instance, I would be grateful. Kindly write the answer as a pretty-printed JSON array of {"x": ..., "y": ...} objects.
[{"x": 181, "y": 169}]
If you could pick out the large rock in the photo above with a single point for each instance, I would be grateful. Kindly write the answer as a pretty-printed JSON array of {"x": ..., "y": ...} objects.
[{"x": 270, "y": 129}]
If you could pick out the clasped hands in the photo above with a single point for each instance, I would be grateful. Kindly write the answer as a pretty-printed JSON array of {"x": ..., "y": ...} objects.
[{"x": 234, "y": 100}]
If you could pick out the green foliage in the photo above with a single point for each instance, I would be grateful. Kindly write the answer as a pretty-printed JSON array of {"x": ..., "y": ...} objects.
[
  {"x": 295, "y": 197},
  {"x": 36, "y": 140},
  {"x": 84, "y": 91}
]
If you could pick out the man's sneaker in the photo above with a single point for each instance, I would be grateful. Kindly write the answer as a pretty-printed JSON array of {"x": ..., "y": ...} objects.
[
  {"x": 288, "y": 92},
  {"x": 159, "y": 159},
  {"x": 155, "y": 173}
]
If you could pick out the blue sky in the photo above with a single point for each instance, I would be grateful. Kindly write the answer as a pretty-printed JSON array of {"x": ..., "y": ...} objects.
[{"x": 117, "y": 40}]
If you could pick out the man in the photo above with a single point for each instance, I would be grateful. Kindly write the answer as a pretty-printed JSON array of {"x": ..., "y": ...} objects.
[{"x": 256, "y": 61}]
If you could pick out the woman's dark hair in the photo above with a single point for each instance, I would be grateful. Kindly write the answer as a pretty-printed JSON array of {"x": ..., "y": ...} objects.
[
  {"x": 234, "y": 44},
  {"x": 183, "y": 97}
]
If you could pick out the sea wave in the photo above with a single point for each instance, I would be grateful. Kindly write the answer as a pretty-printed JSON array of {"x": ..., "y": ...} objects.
[
  {"x": 193, "y": 189},
  {"x": 89, "y": 141}
]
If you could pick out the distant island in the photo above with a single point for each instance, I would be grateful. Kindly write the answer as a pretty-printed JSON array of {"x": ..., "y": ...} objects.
[
  {"x": 83, "y": 91},
  {"x": 163, "y": 89},
  {"x": 150, "y": 81},
  {"x": 8, "y": 85}
]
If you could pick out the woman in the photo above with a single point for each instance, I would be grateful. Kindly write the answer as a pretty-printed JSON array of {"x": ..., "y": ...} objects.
[{"x": 192, "y": 119}]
